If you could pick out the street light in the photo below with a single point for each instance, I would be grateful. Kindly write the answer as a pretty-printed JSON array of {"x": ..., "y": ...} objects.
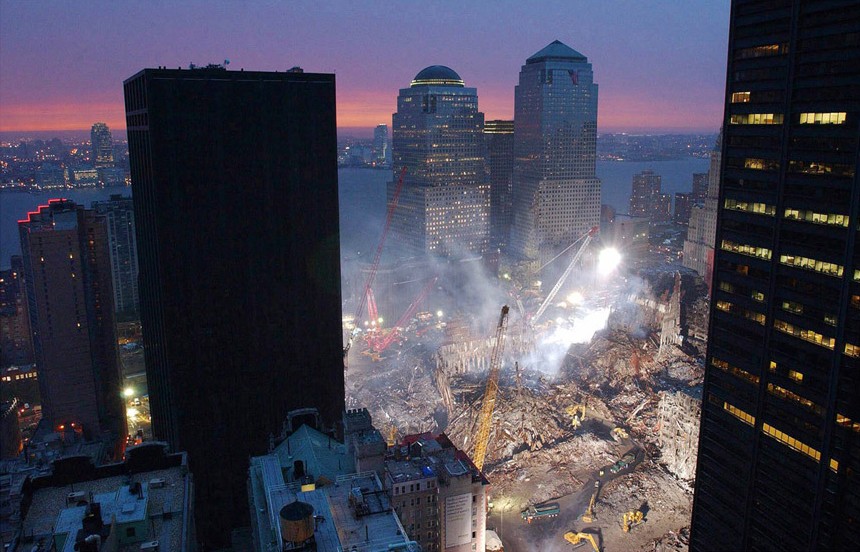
[
  {"x": 128, "y": 392},
  {"x": 608, "y": 260}
]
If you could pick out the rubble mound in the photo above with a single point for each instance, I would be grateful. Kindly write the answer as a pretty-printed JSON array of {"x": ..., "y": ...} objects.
[{"x": 672, "y": 542}]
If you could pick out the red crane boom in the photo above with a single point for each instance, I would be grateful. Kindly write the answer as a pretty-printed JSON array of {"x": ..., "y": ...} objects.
[
  {"x": 382, "y": 343},
  {"x": 375, "y": 265}
]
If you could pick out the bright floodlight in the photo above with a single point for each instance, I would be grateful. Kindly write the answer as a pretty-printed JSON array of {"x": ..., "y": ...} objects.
[
  {"x": 128, "y": 392},
  {"x": 608, "y": 260},
  {"x": 575, "y": 298},
  {"x": 439, "y": 314}
]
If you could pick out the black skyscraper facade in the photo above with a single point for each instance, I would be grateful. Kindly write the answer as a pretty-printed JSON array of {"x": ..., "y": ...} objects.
[
  {"x": 779, "y": 452},
  {"x": 499, "y": 141},
  {"x": 236, "y": 208}
]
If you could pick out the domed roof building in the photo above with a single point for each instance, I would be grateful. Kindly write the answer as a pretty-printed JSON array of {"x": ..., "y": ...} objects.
[
  {"x": 443, "y": 208},
  {"x": 437, "y": 75}
]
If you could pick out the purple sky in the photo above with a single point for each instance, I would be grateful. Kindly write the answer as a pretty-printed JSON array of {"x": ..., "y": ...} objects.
[{"x": 660, "y": 64}]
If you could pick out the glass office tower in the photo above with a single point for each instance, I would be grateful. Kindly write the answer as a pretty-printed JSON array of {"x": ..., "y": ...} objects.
[
  {"x": 444, "y": 205},
  {"x": 779, "y": 450},
  {"x": 556, "y": 193}
]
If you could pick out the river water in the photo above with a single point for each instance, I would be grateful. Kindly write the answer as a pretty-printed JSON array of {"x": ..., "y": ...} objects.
[{"x": 362, "y": 199}]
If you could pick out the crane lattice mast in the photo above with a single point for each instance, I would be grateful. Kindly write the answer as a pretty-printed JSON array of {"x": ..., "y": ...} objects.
[{"x": 489, "y": 403}]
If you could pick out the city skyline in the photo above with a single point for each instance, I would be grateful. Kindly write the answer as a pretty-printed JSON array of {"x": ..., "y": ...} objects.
[{"x": 673, "y": 83}]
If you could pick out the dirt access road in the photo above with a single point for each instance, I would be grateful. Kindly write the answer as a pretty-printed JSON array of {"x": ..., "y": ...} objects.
[{"x": 547, "y": 534}]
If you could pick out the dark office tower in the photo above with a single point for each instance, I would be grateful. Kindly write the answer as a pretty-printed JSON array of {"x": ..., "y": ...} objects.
[
  {"x": 119, "y": 211},
  {"x": 645, "y": 194},
  {"x": 499, "y": 138},
  {"x": 444, "y": 205},
  {"x": 556, "y": 193},
  {"x": 779, "y": 452},
  {"x": 236, "y": 210},
  {"x": 661, "y": 210},
  {"x": 69, "y": 291},
  {"x": 102, "y": 145},
  {"x": 682, "y": 208},
  {"x": 16, "y": 342},
  {"x": 700, "y": 187}
]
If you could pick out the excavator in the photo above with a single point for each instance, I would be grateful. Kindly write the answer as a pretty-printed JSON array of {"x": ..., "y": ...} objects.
[
  {"x": 577, "y": 415},
  {"x": 619, "y": 434},
  {"x": 589, "y": 516},
  {"x": 578, "y": 539},
  {"x": 631, "y": 518}
]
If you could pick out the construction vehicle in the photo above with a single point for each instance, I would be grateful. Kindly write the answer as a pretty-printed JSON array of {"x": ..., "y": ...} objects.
[
  {"x": 619, "y": 433},
  {"x": 578, "y": 539},
  {"x": 375, "y": 356},
  {"x": 391, "y": 439},
  {"x": 624, "y": 462},
  {"x": 631, "y": 518},
  {"x": 532, "y": 513},
  {"x": 367, "y": 294},
  {"x": 589, "y": 515},
  {"x": 587, "y": 237},
  {"x": 489, "y": 402},
  {"x": 577, "y": 415}
]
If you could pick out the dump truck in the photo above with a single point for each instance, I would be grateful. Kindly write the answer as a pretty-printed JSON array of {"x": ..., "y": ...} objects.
[
  {"x": 625, "y": 461},
  {"x": 531, "y": 513}
]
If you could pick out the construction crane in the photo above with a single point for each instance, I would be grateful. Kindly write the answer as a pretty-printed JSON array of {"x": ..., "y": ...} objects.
[
  {"x": 587, "y": 237},
  {"x": 589, "y": 516},
  {"x": 372, "y": 312},
  {"x": 578, "y": 539},
  {"x": 489, "y": 403},
  {"x": 391, "y": 439},
  {"x": 381, "y": 343},
  {"x": 373, "y": 267},
  {"x": 631, "y": 518}
]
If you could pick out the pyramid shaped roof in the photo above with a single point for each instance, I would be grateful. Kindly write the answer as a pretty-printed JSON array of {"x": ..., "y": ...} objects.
[{"x": 556, "y": 51}]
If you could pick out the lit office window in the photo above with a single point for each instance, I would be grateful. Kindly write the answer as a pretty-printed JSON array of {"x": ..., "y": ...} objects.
[
  {"x": 756, "y": 119},
  {"x": 748, "y": 207},
  {"x": 740, "y": 97},
  {"x": 744, "y": 249},
  {"x": 739, "y": 414},
  {"x": 807, "y": 335},
  {"x": 726, "y": 367},
  {"x": 830, "y": 219},
  {"x": 815, "y": 265},
  {"x": 791, "y": 442},
  {"x": 833, "y": 118}
]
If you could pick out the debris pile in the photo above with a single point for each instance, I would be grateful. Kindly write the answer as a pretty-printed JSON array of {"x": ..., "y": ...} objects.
[
  {"x": 638, "y": 382},
  {"x": 672, "y": 541}
]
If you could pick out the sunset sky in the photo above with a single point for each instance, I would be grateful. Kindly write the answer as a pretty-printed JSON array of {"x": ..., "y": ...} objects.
[{"x": 660, "y": 64}]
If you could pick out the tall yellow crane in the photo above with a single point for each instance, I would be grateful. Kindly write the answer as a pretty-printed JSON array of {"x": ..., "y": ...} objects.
[
  {"x": 489, "y": 403},
  {"x": 589, "y": 516}
]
